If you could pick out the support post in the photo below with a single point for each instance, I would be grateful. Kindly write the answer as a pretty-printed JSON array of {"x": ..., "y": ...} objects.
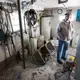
[{"x": 21, "y": 30}]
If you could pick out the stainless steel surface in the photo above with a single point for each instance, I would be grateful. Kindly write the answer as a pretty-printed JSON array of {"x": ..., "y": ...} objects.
[{"x": 78, "y": 61}]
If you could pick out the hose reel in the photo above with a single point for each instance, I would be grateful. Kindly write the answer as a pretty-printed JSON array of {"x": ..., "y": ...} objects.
[{"x": 31, "y": 19}]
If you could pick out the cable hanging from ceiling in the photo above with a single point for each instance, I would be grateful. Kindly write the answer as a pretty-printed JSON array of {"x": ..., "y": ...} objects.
[
  {"x": 8, "y": 6},
  {"x": 65, "y": 6}
]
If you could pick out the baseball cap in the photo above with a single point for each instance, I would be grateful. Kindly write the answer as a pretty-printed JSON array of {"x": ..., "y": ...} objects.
[{"x": 67, "y": 14}]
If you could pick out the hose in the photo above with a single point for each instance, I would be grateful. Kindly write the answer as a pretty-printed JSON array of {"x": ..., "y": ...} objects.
[{"x": 11, "y": 9}]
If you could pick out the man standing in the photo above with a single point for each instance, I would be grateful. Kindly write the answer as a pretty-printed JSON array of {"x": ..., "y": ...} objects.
[{"x": 64, "y": 35}]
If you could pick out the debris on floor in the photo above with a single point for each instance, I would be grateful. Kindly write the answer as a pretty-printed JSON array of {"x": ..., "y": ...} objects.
[
  {"x": 11, "y": 74},
  {"x": 33, "y": 72}
]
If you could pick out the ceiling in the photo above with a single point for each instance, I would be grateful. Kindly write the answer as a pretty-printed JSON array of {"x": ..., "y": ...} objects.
[{"x": 52, "y": 3}]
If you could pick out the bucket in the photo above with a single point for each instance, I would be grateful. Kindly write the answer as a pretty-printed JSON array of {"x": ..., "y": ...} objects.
[
  {"x": 32, "y": 45},
  {"x": 40, "y": 41}
]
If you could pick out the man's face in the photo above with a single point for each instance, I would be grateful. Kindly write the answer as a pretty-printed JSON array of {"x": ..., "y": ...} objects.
[{"x": 66, "y": 17}]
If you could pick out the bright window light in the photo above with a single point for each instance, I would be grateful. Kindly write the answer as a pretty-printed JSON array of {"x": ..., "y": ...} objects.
[
  {"x": 73, "y": 3},
  {"x": 61, "y": 18},
  {"x": 15, "y": 21},
  {"x": 72, "y": 18}
]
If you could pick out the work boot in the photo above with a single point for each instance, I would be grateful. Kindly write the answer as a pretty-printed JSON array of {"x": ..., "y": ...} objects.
[
  {"x": 64, "y": 58},
  {"x": 59, "y": 61}
]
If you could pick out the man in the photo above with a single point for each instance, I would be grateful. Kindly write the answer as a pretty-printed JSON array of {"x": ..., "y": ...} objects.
[{"x": 64, "y": 35}]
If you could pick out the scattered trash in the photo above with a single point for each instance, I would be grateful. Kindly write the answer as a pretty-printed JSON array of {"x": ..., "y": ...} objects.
[
  {"x": 35, "y": 73},
  {"x": 39, "y": 72}
]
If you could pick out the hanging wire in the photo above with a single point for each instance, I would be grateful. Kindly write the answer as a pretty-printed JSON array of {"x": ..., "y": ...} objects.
[
  {"x": 9, "y": 5},
  {"x": 8, "y": 23},
  {"x": 64, "y": 6},
  {"x": 26, "y": 4},
  {"x": 25, "y": 26},
  {"x": 1, "y": 19}
]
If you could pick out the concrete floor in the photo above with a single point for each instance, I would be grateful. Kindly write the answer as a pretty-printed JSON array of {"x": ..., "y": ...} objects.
[{"x": 33, "y": 72}]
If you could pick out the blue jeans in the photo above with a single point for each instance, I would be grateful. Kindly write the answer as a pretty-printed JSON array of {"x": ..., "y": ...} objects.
[{"x": 62, "y": 48}]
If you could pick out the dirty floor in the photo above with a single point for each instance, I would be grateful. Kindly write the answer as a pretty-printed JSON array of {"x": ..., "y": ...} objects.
[{"x": 33, "y": 72}]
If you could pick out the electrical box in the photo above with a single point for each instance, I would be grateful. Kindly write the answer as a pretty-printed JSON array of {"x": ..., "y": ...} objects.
[
  {"x": 62, "y": 1},
  {"x": 78, "y": 15}
]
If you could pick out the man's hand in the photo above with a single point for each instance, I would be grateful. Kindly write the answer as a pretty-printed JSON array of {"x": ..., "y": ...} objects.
[{"x": 68, "y": 41}]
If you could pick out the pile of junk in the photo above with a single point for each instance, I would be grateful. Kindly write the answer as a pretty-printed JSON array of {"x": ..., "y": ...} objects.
[{"x": 68, "y": 70}]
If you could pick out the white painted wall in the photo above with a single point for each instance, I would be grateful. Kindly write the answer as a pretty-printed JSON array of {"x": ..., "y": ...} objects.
[
  {"x": 56, "y": 21},
  {"x": 76, "y": 24}
]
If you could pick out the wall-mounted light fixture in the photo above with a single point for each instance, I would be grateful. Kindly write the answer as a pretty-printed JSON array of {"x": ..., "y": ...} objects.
[{"x": 62, "y": 1}]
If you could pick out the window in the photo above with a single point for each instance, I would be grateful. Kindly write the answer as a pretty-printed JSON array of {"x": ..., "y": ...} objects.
[
  {"x": 61, "y": 18},
  {"x": 15, "y": 21}
]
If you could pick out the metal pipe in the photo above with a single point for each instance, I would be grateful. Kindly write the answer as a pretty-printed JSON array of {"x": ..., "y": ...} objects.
[
  {"x": 78, "y": 61},
  {"x": 10, "y": 22},
  {"x": 21, "y": 31}
]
